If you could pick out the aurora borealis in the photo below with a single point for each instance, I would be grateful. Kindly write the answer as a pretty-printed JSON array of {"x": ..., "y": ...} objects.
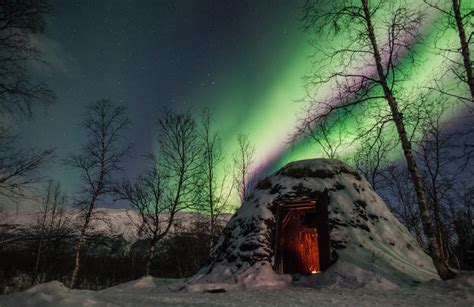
[
  {"x": 245, "y": 59},
  {"x": 274, "y": 120}
]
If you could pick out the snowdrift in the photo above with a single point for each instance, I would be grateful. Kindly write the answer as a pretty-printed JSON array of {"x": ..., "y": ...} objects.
[{"x": 149, "y": 291}]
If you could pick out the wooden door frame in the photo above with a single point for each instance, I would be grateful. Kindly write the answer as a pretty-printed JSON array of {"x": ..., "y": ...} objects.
[{"x": 320, "y": 204}]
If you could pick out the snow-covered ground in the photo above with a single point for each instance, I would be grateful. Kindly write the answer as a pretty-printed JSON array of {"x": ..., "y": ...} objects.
[{"x": 159, "y": 292}]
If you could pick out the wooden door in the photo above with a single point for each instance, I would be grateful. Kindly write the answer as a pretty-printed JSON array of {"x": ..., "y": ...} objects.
[
  {"x": 300, "y": 250},
  {"x": 310, "y": 250}
]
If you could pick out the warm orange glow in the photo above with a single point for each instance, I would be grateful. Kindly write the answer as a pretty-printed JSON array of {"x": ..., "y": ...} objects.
[
  {"x": 302, "y": 238},
  {"x": 302, "y": 244},
  {"x": 310, "y": 250}
]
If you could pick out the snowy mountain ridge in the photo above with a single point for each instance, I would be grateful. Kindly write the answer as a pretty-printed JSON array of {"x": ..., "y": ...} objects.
[{"x": 108, "y": 222}]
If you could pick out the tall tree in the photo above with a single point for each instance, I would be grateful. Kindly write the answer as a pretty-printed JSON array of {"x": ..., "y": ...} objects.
[
  {"x": 464, "y": 42},
  {"x": 146, "y": 195},
  {"x": 98, "y": 161},
  {"x": 50, "y": 221},
  {"x": 379, "y": 79},
  {"x": 19, "y": 21},
  {"x": 459, "y": 19},
  {"x": 170, "y": 184},
  {"x": 216, "y": 189},
  {"x": 243, "y": 160},
  {"x": 179, "y": 154}
]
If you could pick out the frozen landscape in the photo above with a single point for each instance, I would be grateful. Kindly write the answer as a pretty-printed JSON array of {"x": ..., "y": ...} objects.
[
  {"x": 150, "y": 291},
  {"x": 375, "y": 261},
  {"x": 236, "y": 153}
]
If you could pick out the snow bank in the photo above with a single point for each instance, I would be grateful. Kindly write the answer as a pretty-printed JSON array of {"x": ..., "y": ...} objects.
[
  {"x": 222, "y": 279},
  {"x": 150, "y": 292},
  {"x": 345, "y": 275},
  {"x": 461, "y": 287}
]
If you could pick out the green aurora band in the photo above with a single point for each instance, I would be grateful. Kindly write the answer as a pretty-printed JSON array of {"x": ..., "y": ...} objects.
[{"x": 265, "y": 105}]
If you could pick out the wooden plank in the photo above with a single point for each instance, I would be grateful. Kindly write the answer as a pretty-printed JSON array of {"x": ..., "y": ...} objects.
[{"x": 308, "y": 254}]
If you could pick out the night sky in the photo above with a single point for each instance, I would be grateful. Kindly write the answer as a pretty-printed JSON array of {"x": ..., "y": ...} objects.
[
  {"x": 246, "y": 59},
  {"x": 150, "y": 54}
]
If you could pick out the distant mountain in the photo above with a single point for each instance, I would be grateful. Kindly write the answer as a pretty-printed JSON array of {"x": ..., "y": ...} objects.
[{"x": 123, "y": 223}]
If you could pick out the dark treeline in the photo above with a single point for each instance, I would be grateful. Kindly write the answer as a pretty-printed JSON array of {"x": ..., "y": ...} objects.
[{"x": 108, "y": 260}]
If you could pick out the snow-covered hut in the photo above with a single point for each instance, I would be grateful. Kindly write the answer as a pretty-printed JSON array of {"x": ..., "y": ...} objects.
[{"x": 315, "y": 221}]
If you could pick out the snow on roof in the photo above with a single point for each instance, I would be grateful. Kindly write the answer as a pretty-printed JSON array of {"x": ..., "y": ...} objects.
[{"x": 363, "y": 232}]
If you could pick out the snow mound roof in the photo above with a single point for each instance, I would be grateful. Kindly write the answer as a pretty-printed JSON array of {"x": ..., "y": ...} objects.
[{"x": 367, "y": 242}]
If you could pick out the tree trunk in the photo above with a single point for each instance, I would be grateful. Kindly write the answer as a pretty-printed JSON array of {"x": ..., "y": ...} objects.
[
  {"x": 40, "y": 246},
  {"x": 435, "y": 249},
  {"x": 464, "y": 47},
  {"x": 79, "y": 244},
  {"x": 77, "y": 260},
  {"x": 38, "y": 259},
  {"x": 90, "y": 209},
  {"x": 439, "y": 222},
  {"x": 151, "y": 255}
]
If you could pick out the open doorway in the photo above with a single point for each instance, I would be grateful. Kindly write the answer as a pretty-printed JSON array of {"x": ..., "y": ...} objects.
[{"x": 302, "y": 237}]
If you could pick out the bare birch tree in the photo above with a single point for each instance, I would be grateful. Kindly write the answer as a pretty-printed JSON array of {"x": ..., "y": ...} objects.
[
  {"x": 179, "y": 154},
  {"x": 216, "y": 189},
  {"x": 19, "y": 22},
  {"x": 170, "y": 184},
  {"x": 97, "y": 161},
  {"x": 147, "y": 197},
  {"x": 368, "y": 73},
  {"x": 50, "y": 221},
  {"x": 459, "y": 19},
  {"x": 243, "y": 162}
]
